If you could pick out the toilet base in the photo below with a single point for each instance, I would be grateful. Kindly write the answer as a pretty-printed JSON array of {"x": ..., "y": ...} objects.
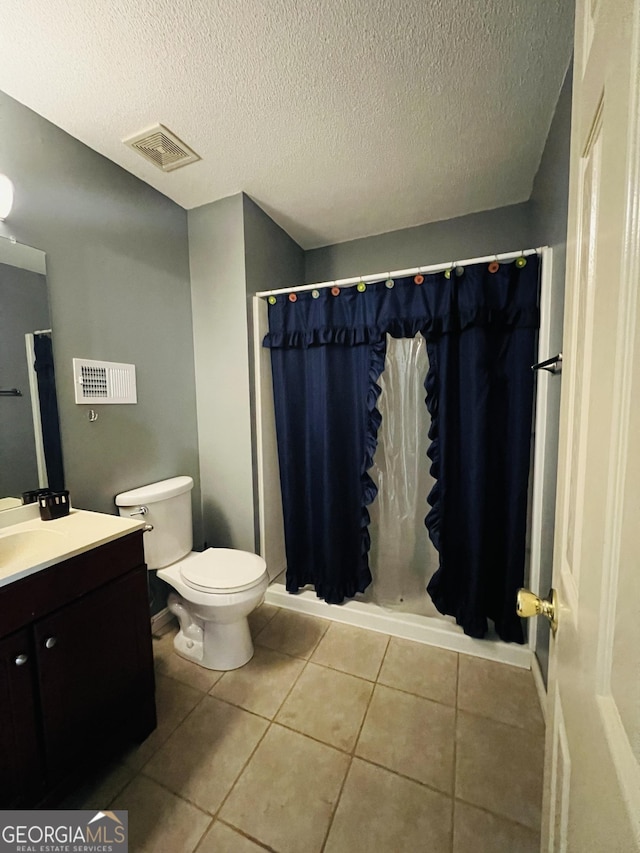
[
  {"x": 225, "y": 645},
  {"x": 213, "y": 645}
]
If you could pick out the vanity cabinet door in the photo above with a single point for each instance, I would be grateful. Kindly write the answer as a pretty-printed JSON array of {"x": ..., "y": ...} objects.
[
  {"x": 96, "y": 674},
  {"x": 20, "y": 766}
]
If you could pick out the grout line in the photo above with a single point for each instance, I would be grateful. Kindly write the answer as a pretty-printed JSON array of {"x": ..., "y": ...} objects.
[
  {"x": 206, "y": 830},
  {"x": 336, "y": 804},
  {"x": 290, "y": 728},
  {"x": 170, "y": 733},
  {"x": 455, "y": 755},
  {"x": 162, "y": 784},
  {"x": 277, "y": 651},
  {"x": 538, "y": 728},
  {"x": 290, "y": 690},
  {"x": 353, "y": 752},
  {"x": 382, "y": 659},
  {"x": 270, "y": 723},
  {"x": 242, "y": 769},
  {"x": 342, "y": 671},
  {"x": 276, "y": 610},
  {"x": 415, "y": 695},
  {"x": 499, "y": 815},
  {"x": 400, "y": 775},
  {"x": 241, "y": 832}
]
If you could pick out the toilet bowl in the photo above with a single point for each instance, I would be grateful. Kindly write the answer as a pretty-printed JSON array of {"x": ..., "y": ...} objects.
[{"x": 215, "y": 590}]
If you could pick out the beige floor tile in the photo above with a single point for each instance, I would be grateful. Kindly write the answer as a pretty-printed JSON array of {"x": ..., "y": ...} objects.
[
  {"x": 499, "y": 768},
  {"x": 411, "y": 735},
  {"x": 475, "y": 831},
  {"x": 292, "y": 633},
  {"x": 204, "y": 756},
  {"x": 171, "y": 665},
  {"x": 383, "y": 813},
  {"x": 502, "y": 692},
  {"x": 98, "y": 790},
  {"x": 327, "y": 705},
  {"x": 424, "y": 670},
  {"x": 260, "y": 617},
  {"x": 222, "y": 839},
  {"x": 353, "y": 650},
  {"x": 262, "y": 684},
  {"x": 173, "y": 702},
  {"x": 286, "y": 795},
  {"x": 160, "y": 822}
]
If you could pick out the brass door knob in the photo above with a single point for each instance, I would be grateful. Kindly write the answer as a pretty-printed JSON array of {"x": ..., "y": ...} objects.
[{"x": 528, "y": 604}]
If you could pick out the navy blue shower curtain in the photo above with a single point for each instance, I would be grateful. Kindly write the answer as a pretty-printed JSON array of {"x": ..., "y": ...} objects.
[{"x": 327, "y": 351}]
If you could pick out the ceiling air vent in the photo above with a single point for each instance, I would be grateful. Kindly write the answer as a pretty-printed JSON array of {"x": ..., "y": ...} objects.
[{"x": 162, "y": 148}]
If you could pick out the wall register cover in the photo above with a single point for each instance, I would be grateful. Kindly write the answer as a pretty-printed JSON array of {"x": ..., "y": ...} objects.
[{"x": 104, "y": 381}]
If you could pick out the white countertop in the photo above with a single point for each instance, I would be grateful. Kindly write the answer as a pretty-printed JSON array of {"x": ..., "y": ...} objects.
[{"x": 28, "y": 544}]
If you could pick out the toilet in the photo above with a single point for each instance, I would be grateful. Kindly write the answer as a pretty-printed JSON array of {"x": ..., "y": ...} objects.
[{"x": 215, "y": 590}]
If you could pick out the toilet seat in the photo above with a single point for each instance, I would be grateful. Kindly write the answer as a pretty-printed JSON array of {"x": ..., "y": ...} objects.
[{"x": 222, "y": 570}]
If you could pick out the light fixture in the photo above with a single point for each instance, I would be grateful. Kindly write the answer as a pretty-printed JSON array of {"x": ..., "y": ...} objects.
[{"x": 6, "y": 197}]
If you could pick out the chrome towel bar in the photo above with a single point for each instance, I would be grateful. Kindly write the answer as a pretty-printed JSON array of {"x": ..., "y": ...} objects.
[{"x": 553, "y": 365}]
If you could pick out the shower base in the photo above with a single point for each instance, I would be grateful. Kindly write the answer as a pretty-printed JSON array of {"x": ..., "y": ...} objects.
[{"x": 431, "y": 630}]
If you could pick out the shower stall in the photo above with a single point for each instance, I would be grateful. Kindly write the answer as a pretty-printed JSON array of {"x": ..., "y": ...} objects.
[{"x": 402, "y": 557}]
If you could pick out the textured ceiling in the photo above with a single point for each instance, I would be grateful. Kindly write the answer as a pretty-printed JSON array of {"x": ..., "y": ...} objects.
[{"x": 342, "y": 118}]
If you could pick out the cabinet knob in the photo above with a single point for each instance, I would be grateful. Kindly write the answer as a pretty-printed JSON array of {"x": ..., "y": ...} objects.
[
  {"x": 21, "y": 660},
  {"x": 50, "y": 642}
]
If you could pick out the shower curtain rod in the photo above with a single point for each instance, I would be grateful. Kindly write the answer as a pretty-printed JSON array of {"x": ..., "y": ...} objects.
[{"x": 347, "y": 282}]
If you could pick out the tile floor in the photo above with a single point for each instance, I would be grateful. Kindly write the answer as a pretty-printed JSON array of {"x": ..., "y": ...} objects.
[{"x": 333, "y": 739}]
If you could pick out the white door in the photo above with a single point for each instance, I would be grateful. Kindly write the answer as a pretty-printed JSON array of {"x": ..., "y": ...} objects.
[{"x": 592, "y": 768}]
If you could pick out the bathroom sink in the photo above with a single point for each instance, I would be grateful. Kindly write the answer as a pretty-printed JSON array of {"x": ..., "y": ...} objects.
[{"x": 30, "y": 545}]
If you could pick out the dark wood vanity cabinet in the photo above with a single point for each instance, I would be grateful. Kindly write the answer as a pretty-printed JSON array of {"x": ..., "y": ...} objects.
[
  {"x": 21, "y": 778},
  {"x": 76, "y": 670}
]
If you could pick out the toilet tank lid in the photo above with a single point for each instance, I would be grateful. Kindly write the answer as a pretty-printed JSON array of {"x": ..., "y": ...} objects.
[{"x": 155, "y": 491}]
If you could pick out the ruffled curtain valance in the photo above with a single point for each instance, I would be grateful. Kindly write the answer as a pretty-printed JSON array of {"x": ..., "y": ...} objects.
[{"x": 439, "y": 305}]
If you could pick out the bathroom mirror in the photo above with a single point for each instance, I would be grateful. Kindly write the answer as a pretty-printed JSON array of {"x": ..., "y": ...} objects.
[{"x": 30, "y": 454}]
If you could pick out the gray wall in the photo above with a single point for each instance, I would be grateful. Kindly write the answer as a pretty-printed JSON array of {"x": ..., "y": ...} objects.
[
  {"x": 23, "y": 308},
  {"x": 235, "y": 250},
  {"x": 491, "y": 231},
  {"x": 272, "y": 260},
  {"x": 118, "y": 275},
  {"x": 216, "y": 251},
  {"x": 549, "y": 204}
]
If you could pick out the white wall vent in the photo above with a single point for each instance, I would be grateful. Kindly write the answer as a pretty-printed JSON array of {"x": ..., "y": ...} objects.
[
  {"x": 162, "y": 148},
  {"x": 104, "y": 381}
]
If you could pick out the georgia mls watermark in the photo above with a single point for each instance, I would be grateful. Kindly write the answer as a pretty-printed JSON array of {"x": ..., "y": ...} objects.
[{"x": 49, "y": 831}]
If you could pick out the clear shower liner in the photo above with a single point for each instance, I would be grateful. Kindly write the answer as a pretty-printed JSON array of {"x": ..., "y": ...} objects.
[{"x": 402, "y": 557}]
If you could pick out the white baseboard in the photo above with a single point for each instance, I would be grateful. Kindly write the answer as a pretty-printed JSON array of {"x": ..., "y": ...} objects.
[
  {"x": 160, "y": 620},
  {"x": 423, "y": 629}
]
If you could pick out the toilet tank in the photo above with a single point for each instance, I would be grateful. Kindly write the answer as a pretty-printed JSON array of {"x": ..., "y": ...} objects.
[{"x": 168, "y": 505}]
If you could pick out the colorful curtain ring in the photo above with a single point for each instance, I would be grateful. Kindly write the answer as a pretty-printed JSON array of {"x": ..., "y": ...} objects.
[
  {"x": 418, "y": 279},
  {"x": 315, "y": 294},
  {"x": 447, "y": 273},
  {"x": 272, "y": 300},
  {"x": 521, "y": 262},
  {"x": 494, "y": 266},
  {"x": 361, "y": 287},
  {"x": 389, "y": 283},
  {"x": 335, "y": 291},
  {"x": 293, "y": 297}
]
